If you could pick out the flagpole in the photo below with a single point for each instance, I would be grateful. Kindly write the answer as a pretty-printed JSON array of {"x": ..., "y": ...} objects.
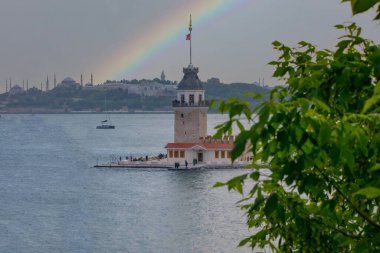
[{"x": 190, "y": 29}]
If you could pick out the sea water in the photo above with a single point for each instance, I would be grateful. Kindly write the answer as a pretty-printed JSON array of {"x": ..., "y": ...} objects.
[{"x": 52, "y": 199}]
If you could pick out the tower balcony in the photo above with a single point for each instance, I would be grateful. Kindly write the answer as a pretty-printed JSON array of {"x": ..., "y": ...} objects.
[{"x": 177, "y": 103}]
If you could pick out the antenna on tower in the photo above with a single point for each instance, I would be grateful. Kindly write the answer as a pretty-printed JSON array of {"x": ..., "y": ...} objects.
[{"x": 188, "y": 37}]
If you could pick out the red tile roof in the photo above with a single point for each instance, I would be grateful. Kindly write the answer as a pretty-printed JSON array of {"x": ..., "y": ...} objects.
[{"x": 200, "y": 145}]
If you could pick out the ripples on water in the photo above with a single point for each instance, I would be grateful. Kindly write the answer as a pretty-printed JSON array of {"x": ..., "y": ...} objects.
[{"x": 53, "y": 200}]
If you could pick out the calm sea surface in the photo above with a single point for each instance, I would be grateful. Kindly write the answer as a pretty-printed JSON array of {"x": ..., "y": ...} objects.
[{"x": 52, "y": 199}]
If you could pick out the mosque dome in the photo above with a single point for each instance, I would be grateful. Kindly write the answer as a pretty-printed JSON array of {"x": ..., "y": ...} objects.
[
  {"x": 68, "y": 80},
  {"x": 16, "y": 89},
  {"x": 190, "y": 80}
]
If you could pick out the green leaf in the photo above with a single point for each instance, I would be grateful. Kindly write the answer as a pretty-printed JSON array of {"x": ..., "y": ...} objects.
[
  {"x": 369, "y": 192},
  {"x": 245, "y": 241},
  {"x": 240, "y": 126},
  {"x": 361, "y": 247},
  {"x": 376, "y": 167},
  {"x": 255, "y": 176},
  {"x": 276, "y": 43},
  {"x": 322, "y": 105},
  {"x": 273, "y": 63},
  {"x": 239, "y": 146},
  {"x": 359, "y": 6},
  {"x": 324, "y": 134},
  {"x": 236, "y": 183},
  {"x": 212, "y": 103},
  {"x": 370, "y": 103},
  {"x": 271, "y": 204},
  {"x": 219, "y": 184}
]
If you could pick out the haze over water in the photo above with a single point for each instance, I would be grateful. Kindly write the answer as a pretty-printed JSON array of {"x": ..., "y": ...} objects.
[{"x": 53, "y": 200}]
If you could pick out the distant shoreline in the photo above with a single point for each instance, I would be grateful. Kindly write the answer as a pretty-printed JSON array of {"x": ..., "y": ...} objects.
[
  {"x": 87, "y": 112},
  {"x": 80, "y": 112}
]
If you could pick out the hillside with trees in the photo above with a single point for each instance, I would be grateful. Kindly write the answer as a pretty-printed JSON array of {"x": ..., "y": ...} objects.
[{"x": 76, "y": 98}]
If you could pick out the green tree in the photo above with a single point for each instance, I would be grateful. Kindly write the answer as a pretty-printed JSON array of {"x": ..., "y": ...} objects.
[{"x": 316, "y": 149}]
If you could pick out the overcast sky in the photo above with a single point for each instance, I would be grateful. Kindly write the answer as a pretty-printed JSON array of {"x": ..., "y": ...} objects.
[{"x": 71, "y": 37}]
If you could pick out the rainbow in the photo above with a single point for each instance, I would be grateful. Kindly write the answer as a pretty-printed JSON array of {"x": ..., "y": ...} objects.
[{"x": 162, "y": 36}]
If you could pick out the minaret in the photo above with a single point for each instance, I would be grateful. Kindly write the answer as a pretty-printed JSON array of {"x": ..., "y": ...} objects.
[
  {"x": 163, "y": 76},
  {"x": 55, "y": 81},
  {"x": 81, "y": 80},
  {"x": 92, "y": 80},
  {"x": 47, "y": 83},
  {"x": 10, "y": 84},
  {"x": 23, "y": 84},
  {"x": 27, "y": 85},
  {"x": 190, "y": 108},
  {"x": 6, "y": 85}
]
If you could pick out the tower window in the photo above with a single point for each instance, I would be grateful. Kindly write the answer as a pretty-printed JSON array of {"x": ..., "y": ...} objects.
[
  {"x": 216, "y": 153},
  {"x": 181, "y": 115},
  {"x": 191, "y": 99},
  {"x": 182, "y": 98},
  {"x": 200, "y": 98}
]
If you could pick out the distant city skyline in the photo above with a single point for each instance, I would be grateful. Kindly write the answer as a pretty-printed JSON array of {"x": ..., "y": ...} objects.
[{"x": 231, "y": 39}]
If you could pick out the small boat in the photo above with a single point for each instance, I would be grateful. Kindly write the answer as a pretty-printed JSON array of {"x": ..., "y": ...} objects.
[{"x": 105, "y": 125}]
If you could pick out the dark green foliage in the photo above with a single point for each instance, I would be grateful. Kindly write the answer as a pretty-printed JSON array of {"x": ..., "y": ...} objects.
[
  {"x": 318, "y": 139},
  {"x": 359, "y": 6}
]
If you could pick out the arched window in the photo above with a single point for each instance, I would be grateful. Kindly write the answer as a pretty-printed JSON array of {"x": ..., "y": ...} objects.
[{"x": 191, "y": 99}]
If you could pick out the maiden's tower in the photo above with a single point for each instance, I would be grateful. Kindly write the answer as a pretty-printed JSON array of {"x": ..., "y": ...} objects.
[{"x": 191, "y": 143}]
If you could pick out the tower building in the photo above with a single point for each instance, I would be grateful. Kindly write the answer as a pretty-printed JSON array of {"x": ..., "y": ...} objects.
[
  {"x": 191, "y": 144},
  {"x": 190, "y": 108}
]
